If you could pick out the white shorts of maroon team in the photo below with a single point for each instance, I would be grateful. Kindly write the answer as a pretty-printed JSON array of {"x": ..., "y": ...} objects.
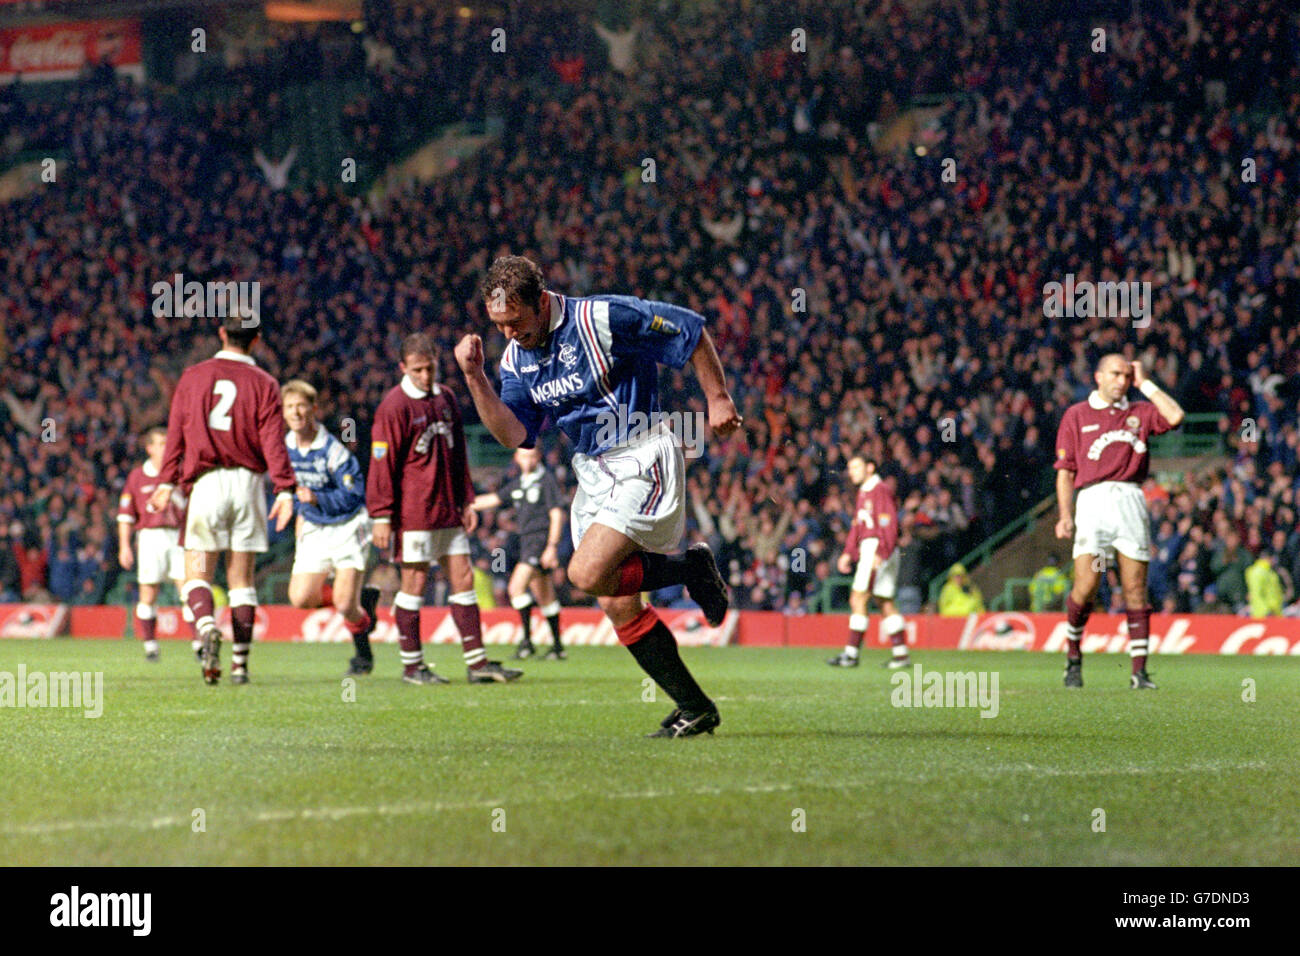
[
  {"x": 886, "y": 576},
  {"x": 421, "y": 547},
  {"x": 322, "y": 548},
  {"x": 227, "y": 512},
  {"x": 1112, "y": 516},
  {"x": 158, "y": 556},
  {"x": 636, "y": 489}
]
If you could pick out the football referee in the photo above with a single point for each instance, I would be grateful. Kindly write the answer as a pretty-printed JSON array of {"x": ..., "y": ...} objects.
[{"x": 539, "y": 508}]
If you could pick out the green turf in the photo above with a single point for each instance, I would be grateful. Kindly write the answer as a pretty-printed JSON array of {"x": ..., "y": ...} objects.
[{"x": 286, "y": 772}]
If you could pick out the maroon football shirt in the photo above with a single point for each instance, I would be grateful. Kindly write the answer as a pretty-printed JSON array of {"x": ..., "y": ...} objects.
[
  {"x": 133, "y": 505},
  {"x": 419, "y": 466},
  {"x": 1101, "y": 442},
  {"x": 226, "y": 414},
  {"x": 876, "y": 516}
]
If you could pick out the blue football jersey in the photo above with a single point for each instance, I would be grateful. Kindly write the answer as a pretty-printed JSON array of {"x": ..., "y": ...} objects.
[
  {"x": 332, "y": 472},
  {"x": 599, "y": 366}
]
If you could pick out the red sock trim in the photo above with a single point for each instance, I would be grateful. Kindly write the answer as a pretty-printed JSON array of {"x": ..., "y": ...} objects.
[
  {"x": 638, "y": 627},
  {"x": 630, "y": 575},
  {"x": 358, "y": 626}
]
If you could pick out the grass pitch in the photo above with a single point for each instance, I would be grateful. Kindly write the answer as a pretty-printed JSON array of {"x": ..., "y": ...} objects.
[{"x": 555, "y": 769}]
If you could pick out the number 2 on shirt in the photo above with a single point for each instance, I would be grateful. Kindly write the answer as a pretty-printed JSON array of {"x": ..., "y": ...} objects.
[{"x": 219, "y": 417}]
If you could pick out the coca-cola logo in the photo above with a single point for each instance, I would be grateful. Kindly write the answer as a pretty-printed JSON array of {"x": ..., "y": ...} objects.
[
  {"x": 1004, "y": 632},
  {"x": 61, "y": 50}
]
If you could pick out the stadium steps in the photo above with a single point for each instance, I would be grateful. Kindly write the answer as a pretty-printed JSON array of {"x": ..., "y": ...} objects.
[
  {"x": 1002, "y": 564},
  {"x": 437, "y": 157}
]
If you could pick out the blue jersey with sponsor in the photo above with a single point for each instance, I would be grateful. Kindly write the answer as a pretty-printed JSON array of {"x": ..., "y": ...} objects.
[
  {"x": 332, "y": 472},
  {"x": 598, "y": 368}
]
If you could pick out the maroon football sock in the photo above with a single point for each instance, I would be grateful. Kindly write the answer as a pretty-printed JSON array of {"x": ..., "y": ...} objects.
[
  {"x": 146, "y": 627},
  {"x": 1076, "y": 616},
  {"x": 466, "y": 618},
  {"x": 241, "y": 633},
  {"x": 408, "y": 638},
  {"x": 199, "y": 600},
  {"x": 1139, "y": 631}
]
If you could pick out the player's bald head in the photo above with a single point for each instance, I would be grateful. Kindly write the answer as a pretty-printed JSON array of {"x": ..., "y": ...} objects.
[{"x": 1112, "y": 360}]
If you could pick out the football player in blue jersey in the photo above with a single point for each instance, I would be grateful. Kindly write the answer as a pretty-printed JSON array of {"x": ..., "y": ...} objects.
[
  {"x": 590, "y": 364},
  {"x": 333, "y": 528}
]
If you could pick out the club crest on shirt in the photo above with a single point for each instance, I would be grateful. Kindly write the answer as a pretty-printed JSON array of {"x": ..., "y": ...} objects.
[
  {"x": 1132, "y": 423},
  {"x": 378, "y": 450},
  {"x": 568, "y": 355}
]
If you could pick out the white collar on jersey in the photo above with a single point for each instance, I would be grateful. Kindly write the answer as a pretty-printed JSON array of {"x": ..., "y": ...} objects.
[
  {"x": 1099, "y": 403},
  {"x": 870, "y": 482},
  {"x": 317, "y": 442},
  {"x": 235, "y": 356},
  {"x": 530, "y": 478},
  {"x": 409, "y": 388},
  {"x": 557, "y": 310},
  {"x": 149, "y": 470}
]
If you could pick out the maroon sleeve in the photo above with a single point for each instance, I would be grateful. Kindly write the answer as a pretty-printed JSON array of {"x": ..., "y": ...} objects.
[
  {"x": 270, "y": 429},
  {"x": 126, "y": 510},
  {"x": 855, "y": 530},
  {"x": 1067, "y": 443},
  {"x": 174, "y": 454},
  {"x": 1156, "y": 423},
  {"x": 887, "y": 522},
  {"x": 385, "y": 448}
]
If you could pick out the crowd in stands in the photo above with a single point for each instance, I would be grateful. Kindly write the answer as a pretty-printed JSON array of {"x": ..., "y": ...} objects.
[{"x": 861, "y": 301}]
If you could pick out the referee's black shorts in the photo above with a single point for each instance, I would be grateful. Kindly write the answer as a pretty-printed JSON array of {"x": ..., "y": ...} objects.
[{"x": 530, "y": 549}]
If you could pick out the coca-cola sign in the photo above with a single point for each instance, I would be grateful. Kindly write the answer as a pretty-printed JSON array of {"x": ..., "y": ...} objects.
[{"x": 61, "y": 51}]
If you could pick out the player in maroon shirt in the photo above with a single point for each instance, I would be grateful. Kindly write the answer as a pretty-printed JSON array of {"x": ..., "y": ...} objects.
[
  {"x": 420, "y": 497},
  {"x": 158, "y": 554},
  {"x": 224, "y": 433},
  {"x": 1102, "y": 453},
  {"x": 870, "y": 549}
]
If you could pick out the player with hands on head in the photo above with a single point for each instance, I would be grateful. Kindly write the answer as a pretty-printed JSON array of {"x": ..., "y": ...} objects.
[{"x": 1103, "y": 456}]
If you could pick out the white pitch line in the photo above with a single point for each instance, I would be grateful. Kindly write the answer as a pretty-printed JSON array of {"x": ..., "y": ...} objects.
[{"x": 408, "y": 809}]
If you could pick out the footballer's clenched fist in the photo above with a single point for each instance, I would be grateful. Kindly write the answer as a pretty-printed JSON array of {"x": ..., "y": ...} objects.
[{"x": 469, "y": 355}]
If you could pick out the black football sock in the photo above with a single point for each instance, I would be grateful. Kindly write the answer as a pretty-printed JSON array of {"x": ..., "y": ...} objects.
[
  {"x": 526, "y": 618},
  {"x": 554, "y": 621},
  {"x": 662, "y": 570},
  {"x": 657, "y": 654}
]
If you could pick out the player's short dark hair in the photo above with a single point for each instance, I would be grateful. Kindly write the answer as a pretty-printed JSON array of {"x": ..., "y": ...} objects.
[
  {"x": 236, "y": 334},
  {"x": 419, "y": 343},
  {"x": 519, "y": 278}
]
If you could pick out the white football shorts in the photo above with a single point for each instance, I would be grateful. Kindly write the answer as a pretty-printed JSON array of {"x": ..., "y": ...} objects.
[
  {"x": 227, "y": 512},
  {"x": 158, "y": 556},
  {"x": 1112, "y": 516},
  {"x": 637, "y": 489},
  {"x": 322, "y": 548},
  {"x": 422, "y": 547},
  {"x": 886, "y": 576}
]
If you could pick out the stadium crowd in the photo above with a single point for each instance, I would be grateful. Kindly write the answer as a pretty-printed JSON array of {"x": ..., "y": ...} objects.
[{"x": 860, "y": 300}]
